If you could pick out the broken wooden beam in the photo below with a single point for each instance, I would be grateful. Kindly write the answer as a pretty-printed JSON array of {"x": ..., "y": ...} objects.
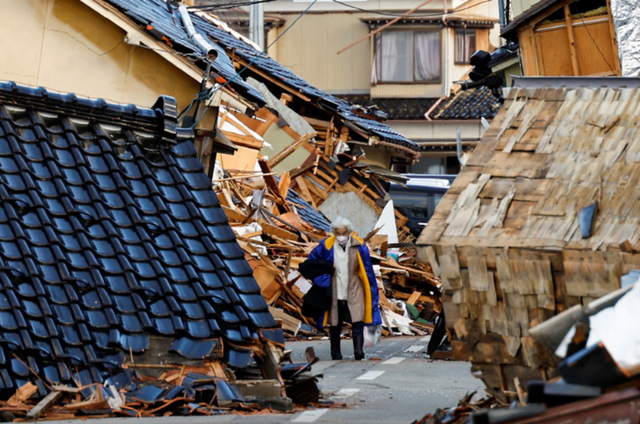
[{"x": 43, "y": 405}]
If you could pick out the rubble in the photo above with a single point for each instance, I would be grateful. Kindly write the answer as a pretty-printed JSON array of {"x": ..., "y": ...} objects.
[{"x": 278, "y": 228}]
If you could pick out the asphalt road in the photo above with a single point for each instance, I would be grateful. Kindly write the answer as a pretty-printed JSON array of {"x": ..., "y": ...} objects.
[{"x": 401, "y": 390}]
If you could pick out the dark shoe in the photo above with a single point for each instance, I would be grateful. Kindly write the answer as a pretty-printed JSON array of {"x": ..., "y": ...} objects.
[
  {"x": 357, "y": 334},
  {"x": 334, "y": 337}
]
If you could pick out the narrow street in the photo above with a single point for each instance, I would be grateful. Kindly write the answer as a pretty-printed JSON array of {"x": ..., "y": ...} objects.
[{"x": 398, "y": 388}]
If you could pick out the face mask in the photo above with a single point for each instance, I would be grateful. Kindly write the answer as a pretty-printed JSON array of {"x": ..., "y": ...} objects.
[{"x": 342, "y": 240}]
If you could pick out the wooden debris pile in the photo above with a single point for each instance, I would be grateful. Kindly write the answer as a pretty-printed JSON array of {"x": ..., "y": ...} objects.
[
  {"x": 278, "y": 229},
  {"x": 461, "y": 413},
  {"x": 208, "y": 387}
]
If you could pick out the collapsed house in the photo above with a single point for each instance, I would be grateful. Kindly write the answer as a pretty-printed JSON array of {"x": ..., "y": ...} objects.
[
  {"x": 335, "y": 148},
  {"x": 512, "y": 239},
  {"x": 117, "y": 261},
  {"x": 149, "y": 48}
]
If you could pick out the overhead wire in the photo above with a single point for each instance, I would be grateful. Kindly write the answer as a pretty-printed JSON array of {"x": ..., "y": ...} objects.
[
  {"x": 227, "y": 5},
  {"x": 213, "y": 90},
  {"x": 596, "y": 44},
  {"x": 417, "y": 15}
]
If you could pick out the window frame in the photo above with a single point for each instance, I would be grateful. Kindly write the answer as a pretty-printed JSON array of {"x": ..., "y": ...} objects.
[
  {"x": 455, "y": 39},
  {"x": 377, "y": 41}
]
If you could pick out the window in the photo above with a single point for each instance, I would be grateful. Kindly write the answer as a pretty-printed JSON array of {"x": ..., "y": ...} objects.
[
  {"x": 407, "y": 57},
  {"x": 465, "y": 45}
]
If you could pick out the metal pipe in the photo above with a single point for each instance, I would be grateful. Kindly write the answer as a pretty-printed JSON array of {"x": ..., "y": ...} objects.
[
  {"x": 204, "y": 46},
  {"x": 256, "y": 24}
]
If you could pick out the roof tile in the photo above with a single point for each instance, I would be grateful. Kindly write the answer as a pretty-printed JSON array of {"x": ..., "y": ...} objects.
[{"x": 104, "y": 243}]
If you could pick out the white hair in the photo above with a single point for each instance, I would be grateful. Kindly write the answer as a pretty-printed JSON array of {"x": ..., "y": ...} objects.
[{"x": 341, "y": 222}]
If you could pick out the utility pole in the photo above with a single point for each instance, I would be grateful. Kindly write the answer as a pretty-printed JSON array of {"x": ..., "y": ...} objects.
[{"x": 256, "y": 24}]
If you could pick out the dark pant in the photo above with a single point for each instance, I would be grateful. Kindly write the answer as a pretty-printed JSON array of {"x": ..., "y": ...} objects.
[{"x": 357, "y": 333}]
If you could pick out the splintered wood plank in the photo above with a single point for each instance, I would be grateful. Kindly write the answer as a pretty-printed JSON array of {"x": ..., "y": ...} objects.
[
  {"x": 493, "y": 352},
  {"x": 273, "y": 230},
  {"x": 304, "y": 191},
  {"x": 43, "y": 405},
  {"x": 591, "y": 274},
  {"x": 22, "y": 394},
  {"x": 497, "y": 218},
  {"x": 518, "y": 164},
  {"x": 433, "y": 261},
  {"x": 468, "y": 196},
  {"x": 289, "y": 323},
  {"x": 530, "y": 115},
  {"x": 285, "y": 153},
  {"x": 450, "y": 266},
  {"x": 526, "y": 189},
  {"x": 414, "y": 297},
  {"x": 313, "y": 187},
  {"x": 478, "y": 273},
  {"x": 464, "y": 220},
  {"x": 511, "y": 115}
]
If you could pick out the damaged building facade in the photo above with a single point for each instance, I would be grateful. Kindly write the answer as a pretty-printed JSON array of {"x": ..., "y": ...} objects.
[
  {"x": 574, "y": 38},
  {"x": 402, "y": 69},
  {"x": 510, "y": 238}
]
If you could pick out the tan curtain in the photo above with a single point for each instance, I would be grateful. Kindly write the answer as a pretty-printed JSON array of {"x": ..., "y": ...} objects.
[
  {"x": 465, "y": 45},
  {"x": 427, "y": 53}
]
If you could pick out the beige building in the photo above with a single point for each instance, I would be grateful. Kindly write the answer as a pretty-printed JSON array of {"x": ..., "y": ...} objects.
[
  {"x": 403, "y": 69},
  {"x": 86, "y": 47}
]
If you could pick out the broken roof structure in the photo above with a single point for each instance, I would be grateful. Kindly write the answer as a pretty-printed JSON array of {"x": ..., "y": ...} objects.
[
  {"x": 110, "y": 235},
  {"x": 507, "y": 238},
  {"x": 162, "y": 20}
]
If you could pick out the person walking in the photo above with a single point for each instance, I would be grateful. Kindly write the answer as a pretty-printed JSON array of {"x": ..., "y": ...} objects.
[{"x": 352, "y": 283}]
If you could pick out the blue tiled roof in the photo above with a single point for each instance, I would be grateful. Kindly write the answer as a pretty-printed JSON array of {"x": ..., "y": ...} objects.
[
  {"x": 162, "y": 20},
  {"x": 314, "y": 218},
  {"x": 157, "y": 14},
  {"x": 471, "y": 104},
  {"x": 110, "y": 233}
]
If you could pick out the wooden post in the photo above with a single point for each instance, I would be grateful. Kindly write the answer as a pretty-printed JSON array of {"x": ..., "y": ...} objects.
[
  {"x": 572, "y": 43},
  {"x": 614, "y": 41}
]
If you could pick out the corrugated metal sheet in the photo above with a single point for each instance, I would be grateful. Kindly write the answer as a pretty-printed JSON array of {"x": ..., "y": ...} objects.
[{"x": 310, "y": 48}]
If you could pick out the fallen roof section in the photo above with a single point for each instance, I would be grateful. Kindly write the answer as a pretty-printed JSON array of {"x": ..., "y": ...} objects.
[
  {"x": 110, "y": 235},
  {"x": 162, "y": 21}
]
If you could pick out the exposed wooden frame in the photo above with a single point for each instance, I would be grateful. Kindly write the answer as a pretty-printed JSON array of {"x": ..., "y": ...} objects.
[
  {"x": 572, "y": 43},
  {"x": 614, "y": 41},
  {"x": 527, "y": 36}
]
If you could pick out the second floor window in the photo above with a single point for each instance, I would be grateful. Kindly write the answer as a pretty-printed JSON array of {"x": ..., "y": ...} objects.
[
  {"x": 407, "y": 57},
  {"x": 465, "y": 45}
]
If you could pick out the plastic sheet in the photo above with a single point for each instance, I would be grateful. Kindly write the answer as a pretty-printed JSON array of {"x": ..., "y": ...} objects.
[
  {"x": 372, "y": 335},
  {"x": 626, "y": 18}
]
